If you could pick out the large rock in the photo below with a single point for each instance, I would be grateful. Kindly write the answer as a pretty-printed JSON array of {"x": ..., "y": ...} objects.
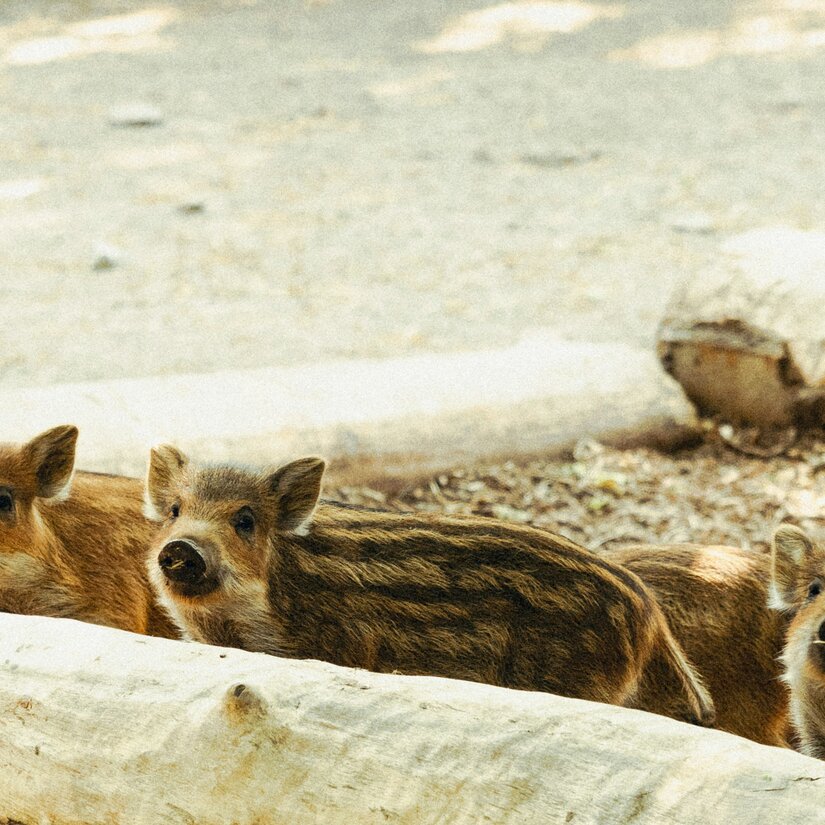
[
  {"x": 101, "y": 726},
  {"x": 750, "y": 347}
]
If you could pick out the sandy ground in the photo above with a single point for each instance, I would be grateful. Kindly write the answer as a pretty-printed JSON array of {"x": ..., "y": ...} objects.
[{"x": 351, "y": 178}]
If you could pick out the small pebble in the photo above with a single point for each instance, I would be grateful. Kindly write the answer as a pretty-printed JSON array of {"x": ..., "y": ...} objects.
[
  {"x": 194, "y": 207},
  {"x": 106, "y": 257},
  {"x": 135, "y": 115},
  {"x": 692, "y": 223},
  {"x": 559, "y": 160}
]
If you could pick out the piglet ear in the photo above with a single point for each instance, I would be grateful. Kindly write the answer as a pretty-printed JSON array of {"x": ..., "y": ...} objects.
[
  {"x": 167, "y": 465},
  {"x": 792, "y": 550},
  {"x": 296, "y": 488},
  {"x": 50, "y": 457}
]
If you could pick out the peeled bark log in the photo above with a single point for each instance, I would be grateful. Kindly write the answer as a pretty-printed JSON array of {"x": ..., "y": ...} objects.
[
  {"x": 101, "y": 726},
  {"x": 750, "y": 347}
]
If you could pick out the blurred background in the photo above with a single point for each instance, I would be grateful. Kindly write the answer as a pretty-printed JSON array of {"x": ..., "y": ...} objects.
[{"x": 287, "y": 222}]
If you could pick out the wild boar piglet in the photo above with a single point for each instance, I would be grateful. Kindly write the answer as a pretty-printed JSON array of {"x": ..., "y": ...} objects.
[
  {"x": 73, "y": 545},
  {"x": 798, "y": 588},
  {"x": 715, "y": 599},
  {"x": 251, "y": 559}
]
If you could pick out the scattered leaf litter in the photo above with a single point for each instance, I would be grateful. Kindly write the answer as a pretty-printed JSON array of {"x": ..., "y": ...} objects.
[{"x": 712, "y": 494}]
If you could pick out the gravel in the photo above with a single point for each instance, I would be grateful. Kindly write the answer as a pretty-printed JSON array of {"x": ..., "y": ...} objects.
[{"x": 713, "y": 494}]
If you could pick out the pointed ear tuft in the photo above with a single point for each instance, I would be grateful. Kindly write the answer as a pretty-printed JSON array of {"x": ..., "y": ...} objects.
[
  {"x": 791, "y": 549},
  {"x": 167, "y": 465},
  {"x": 296, "y": 487},
  {"x": 50, "y": 457}
]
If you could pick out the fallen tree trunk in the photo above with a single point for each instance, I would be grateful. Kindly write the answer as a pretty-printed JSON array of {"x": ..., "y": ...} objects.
[
  {"x": 749, "y": 347},
  {"x": 100, "y": 726},
  {"x": 387, "y": 422}
]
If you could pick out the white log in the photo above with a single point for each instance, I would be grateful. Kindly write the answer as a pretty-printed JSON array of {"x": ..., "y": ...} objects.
[
  {"x": 379, "y": 421},
  {"x": 101, "y": 726},
  {"x": 751, "y": 346}
]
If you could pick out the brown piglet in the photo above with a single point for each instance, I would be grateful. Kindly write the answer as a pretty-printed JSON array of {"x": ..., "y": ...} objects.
[
  {"x": 716, "y": 601},
  {"x": 798, "y": 587},
  {"x": 73, "y": 545},
  {"x": 254, "y": 560}
]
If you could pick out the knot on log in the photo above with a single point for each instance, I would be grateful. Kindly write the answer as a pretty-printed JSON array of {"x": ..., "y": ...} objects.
[{"x": 243, "y": 703}]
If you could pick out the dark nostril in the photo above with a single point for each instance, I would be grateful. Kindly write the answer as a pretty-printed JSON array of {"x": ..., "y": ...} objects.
[
  {"x": 181, "y": 562},
  {"x": 821, "y": 632}
]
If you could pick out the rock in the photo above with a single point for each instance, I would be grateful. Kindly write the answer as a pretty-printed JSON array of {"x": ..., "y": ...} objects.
[
  {"x": 694, "y": 223},
  {"x": 106, "y": 257},
  {"x": 192, "y": 207},
  {"x": 560, "y": 159},
  {"x": 136, "y": 114}
]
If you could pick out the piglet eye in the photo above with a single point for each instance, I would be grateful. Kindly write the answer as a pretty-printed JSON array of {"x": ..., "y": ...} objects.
[
  {"x": 815, "y": 589},
  {"x": 6, "y": 503},
  {"x": 244, "y": 522},
  {"x": 174, "y": 510}
]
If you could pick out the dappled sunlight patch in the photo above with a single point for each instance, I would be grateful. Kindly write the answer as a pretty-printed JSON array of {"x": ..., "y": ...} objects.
[
  {"x": 124, "y": 25},
  {"x": 790, "y": 28},
  {"x": 409, "y": 86},
  {"x": 773, "y": 33},
  {"x": 486, "y": 27},
  {"x": 718, "y": 564},
  {"x": 784, "y": 254},
  {"x": 17, "y": 190},
  {"x": 814, "y": 6},
  {"x": 118, "y": 33},
  {"x": 680, "y": 51}
]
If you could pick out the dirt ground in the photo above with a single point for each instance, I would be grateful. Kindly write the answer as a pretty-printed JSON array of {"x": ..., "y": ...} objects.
[
  {"x": 190, "y": 186},
  {"x": 295, "y": 182},
  {"x": 712, "y": 494}
]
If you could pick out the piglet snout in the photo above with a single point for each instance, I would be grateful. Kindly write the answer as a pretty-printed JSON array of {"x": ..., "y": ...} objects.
[{"x": 181, "y": 561}]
